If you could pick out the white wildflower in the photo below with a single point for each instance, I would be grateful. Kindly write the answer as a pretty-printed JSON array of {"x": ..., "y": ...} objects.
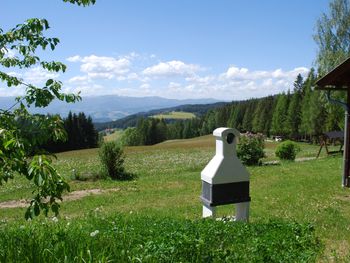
[{"x": 94, "y": 233}]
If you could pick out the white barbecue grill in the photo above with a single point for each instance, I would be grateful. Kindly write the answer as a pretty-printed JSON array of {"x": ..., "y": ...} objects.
[{"x": 225, "y": 180}]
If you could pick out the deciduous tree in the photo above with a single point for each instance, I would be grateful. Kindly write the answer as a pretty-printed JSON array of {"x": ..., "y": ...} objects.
[{"x": 19, "y": 151}]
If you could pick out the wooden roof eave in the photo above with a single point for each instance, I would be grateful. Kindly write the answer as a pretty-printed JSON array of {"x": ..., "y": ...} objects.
[
  {"x": 330, "y": 88},
  {"x": 336, "y": 79}
]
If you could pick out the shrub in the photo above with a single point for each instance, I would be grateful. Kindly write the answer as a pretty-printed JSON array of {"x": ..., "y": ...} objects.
[
  {"x": 86, "y": 175},
  {"x": 250, "y": 149},
  {"x": 112, "y": 161},
  {"x": 287, "y": 150}
]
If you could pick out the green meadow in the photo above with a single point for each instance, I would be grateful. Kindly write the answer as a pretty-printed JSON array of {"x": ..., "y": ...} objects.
[
  {"x": 299, "y": 211},
  {"x": 116, "y": 135},
  {"x": 175, "y": 115}
]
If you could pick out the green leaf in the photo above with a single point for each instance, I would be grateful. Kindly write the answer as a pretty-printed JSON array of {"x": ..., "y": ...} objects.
[
  {"x": 36, "y": 209},
  {"x": 49, "y": 82}
]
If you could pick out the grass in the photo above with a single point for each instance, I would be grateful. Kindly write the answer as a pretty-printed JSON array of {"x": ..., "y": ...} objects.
[
  {"x": 168, "y": 186},
  {"x": 115, "y": 136},
  {"x": 175, "y": 115},
  {"x": 152, "y": 239}
]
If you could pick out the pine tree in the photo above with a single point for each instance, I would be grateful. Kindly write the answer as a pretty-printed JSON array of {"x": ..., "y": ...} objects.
[
  {"x": 305, "y": 125},
  {"x": 278, "y": 125},
  {"x": 318, "y": 114},
  {"x": 294, "y": 110},
  {"x": 249, "y": 115}
]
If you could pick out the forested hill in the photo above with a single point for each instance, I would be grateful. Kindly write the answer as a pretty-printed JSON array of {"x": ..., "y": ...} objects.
[
  {"x": 131, "y": 120},
  {"x": 300, "y": 113},
  {"x": 303, "y": 113}
]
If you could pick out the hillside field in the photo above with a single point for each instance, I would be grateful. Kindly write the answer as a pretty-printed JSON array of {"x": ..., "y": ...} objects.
[
  {"x": 116, "y": 135},
  {"x": 168, "y": 186},
  {"x": 175, "y": 115}
]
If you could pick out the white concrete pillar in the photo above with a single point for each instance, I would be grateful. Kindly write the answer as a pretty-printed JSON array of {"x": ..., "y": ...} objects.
[
  {"x": 242, "y": 211},
  {"x": 209, "y": 211}
]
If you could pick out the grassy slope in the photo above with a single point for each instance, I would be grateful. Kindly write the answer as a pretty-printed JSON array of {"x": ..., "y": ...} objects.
[
  {"x": 113, "y": 136},
  {"x": 175, "y": 115},
  {"x": 168, "y": 184}
]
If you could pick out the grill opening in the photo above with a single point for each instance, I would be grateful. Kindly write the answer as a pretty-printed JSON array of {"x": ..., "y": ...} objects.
[{"x": 230, "y": 137}]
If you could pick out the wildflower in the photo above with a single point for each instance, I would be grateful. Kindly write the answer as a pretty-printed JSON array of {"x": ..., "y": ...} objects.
[
  {"x": 94, "y": 233},
  {"x": 55, "y": 219}
]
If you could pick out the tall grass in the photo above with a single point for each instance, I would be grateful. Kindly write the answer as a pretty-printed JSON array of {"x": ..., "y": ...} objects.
[{"x": 153, "y": 239}]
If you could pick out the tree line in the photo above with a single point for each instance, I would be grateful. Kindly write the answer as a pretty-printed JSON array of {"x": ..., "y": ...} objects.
[
  {"x": 81, "y": 134},
  {"x": 302, "y": 113}
]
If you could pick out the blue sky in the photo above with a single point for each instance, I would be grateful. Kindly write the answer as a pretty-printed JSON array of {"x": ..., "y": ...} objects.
[{"x": 223, "y": 49}]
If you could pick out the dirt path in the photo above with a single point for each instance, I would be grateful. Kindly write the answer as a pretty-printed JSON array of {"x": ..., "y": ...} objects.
[
  {"x": 303, "y": 159},
  {"x": 75, "y": 195}
]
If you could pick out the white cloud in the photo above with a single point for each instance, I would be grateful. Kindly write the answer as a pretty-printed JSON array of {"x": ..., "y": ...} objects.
[
  {"x": 79, "y": 79},
  {"x": 243, "y": 73},
  {"x": 101, "y": 67},
  {"x": 86, "y": 90},
  {"x": 12, "y": 91},
  {"x": 234, "y": 72},
  {"x": 38, "y": 75},
  {"x": 171, "y": 69},
  {"x": 177, "y": 79},
  {"x": 74, "y": 58}
]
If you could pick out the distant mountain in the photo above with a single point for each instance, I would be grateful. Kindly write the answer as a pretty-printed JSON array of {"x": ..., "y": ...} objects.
[
  {"x": 131, "y": 120},
  {"x": 109, "y": 107}
]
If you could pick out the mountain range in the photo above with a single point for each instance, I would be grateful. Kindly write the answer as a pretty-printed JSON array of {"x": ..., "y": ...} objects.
[{"x": 108, "y": 107}]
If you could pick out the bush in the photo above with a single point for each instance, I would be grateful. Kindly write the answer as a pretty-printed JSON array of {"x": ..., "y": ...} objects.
[
  {"x": 287, "y": 150},
  {"x": 250, "y": 149},
  {"x": 112, "y": 161}
]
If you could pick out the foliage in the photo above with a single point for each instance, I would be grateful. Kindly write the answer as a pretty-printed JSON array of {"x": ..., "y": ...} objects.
[
  {"x": 130, "y": 137},
  {"x": 279, "y": 117},
  {"x": 263, "y": 115},
  {"x": 22, "y": 133},
  {"x": 154, "y": 239},
  {"x": 250, "y": 149},
  {"x": 287, "y": 150},
  {"x": 81, "y": 134},
  {"x": 333, "y": 36},
  {"x": 293, "y": 119},
  {"x": 112, "y": 161},
  {"x": 147, "y": 132}
]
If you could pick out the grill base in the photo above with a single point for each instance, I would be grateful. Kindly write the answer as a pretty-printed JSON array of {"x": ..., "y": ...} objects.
[{"x": 223, "y": 194}]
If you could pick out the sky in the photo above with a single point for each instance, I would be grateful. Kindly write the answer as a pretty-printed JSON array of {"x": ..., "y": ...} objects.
[{"x": 222, "y": 49}]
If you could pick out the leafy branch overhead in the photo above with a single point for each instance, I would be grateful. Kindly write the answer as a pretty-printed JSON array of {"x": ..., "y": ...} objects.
[
  {"x": 21, "y": 133},
  {"x": 24, "y": 40}
]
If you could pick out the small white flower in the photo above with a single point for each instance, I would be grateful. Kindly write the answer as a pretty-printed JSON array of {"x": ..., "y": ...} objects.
[
  {"x": 94, "y": 233},
  {"x": 55, "y": 219},
  {"x": 22, "y": 227}
]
